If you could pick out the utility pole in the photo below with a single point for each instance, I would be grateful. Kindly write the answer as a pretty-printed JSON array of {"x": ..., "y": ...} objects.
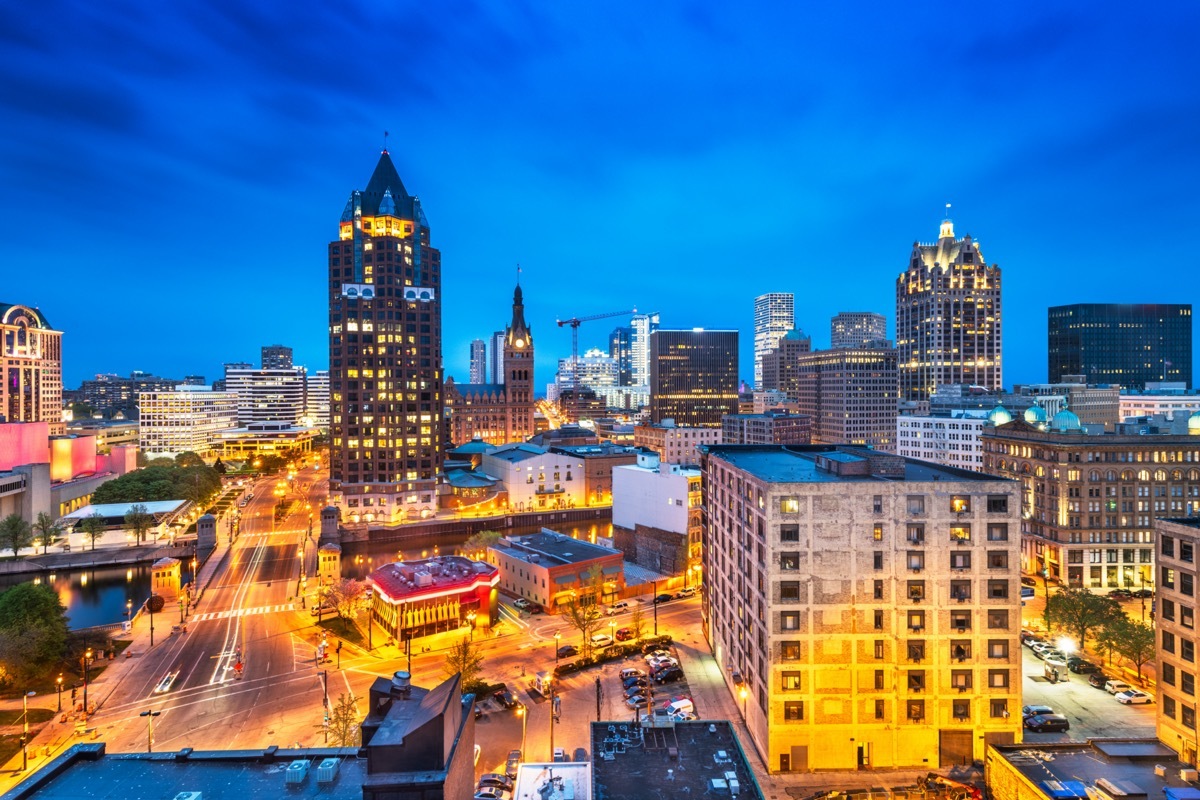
[
  {"x": 655, "y": 601},
  {"x": 599, "y": 695},
  {"x": 150, "y": 715}
]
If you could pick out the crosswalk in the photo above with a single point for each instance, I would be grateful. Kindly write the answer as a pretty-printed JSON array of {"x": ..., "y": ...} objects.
[{"x": 242, "y": 612}]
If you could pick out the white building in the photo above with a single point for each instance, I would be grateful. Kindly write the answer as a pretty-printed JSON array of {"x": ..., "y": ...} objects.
[
  {"x": 496, "y": 359},
  {"x": 188, "y": 419},
  {"x": 643, "y": 325},
  {"x": 774, "y": 316},
  {"x": 595, "y": 370},
  {"x": 536, "y": 478},
  {"x": 1151, "y": 404},
  {"x": 478, "y": 370},
  {"x": 268, "y": 395},
  {"x": 655, "y": 494},
  {"x": 316, "y": 400},
  {"x": 954, "y": 440}
]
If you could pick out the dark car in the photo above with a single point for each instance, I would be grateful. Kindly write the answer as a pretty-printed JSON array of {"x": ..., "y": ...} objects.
[
  {"x": 1083, "y": 667},
  {"x": 1045, "y": 723},
  {"x": 504, "y": 698},
  {"x": 497, "y": 780},
  {"x": 636, "y": 681},
  {"x": 663, "y": 598},
  {"x": 478, "y": 711},
  {"x": 1147, "y": 593},
  {"x": 1098, "y": 680},
  {"x": 510, "y": 765},
  {"x": 1120, "y": 594},
  {"x": 1035, "y": 711},
  {"x": 567, "y": 650},
  {"x": 566, "y": 669},
  {"x": 669, "y": 674}
]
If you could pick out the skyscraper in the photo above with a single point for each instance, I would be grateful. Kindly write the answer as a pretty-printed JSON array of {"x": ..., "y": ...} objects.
[
  {"x": 774, "y": 316},
  {"x": 620, "y": 347},
  {"x": 268, "y": 395},
  {"x": 478, "y": 370},
  {"x": 496, "y": 358},
  {"x": 1118, "y": 343},
  {"x": 850, "y": 393},
  {"x": 30, "y": 368},
  {"x": 780, "y": 363},
  {"x": 857, "y": 329},
  {"x": 693, "y": 376},
  {"x": 947, "y": 317},
  {"x": 276, "y": 356},
  {"x": 642, "y": 326},
  {"x": 385, "y": 352}
]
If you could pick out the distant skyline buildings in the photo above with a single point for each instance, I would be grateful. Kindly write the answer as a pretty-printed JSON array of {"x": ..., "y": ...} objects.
[
  {"x": 642, "y": 326},
  {"x": 276, "y": 356},
  {"x": 693, "y": 376},
  {"x": 774, "y": 316},
  {"x": 1115, "y": 343},
  {"x": 478, "y": 367},
  {"x": 857, "y": 329},
  {"x": 620, "y": 347},
  {"x": 495, "y": 356}
]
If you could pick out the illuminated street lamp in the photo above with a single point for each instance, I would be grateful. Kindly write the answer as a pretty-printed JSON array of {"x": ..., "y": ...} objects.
[
  {"x": 744, "y": 694},
  {"x": 557, "y": 637},
  {"x": 87, "y": 663},
  {"x": 524, "y": 721},
  {"x": 25, "y": 734},
  {"x": 58, "y": 681}
]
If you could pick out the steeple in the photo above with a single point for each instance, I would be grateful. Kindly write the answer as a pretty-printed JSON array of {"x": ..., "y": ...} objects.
[
  {"x": 519, "y": 335},
  {"x": 385, "y": 180}
]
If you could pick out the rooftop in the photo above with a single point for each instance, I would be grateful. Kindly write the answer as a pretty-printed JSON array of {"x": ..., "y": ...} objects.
[
  {"x": 596, "y": 450},
  {"x": 155, "y": 508},
  {"x": 1128, "y": 761},
  {"x": 441, "y": 574},
  {"x": 1191, "y": 522},
  {"x": 555, "y": 548},
  {"x": 800, "y": 464},
  {"x": 689, "y": 759},
  {"x": 565, "y": 780}
]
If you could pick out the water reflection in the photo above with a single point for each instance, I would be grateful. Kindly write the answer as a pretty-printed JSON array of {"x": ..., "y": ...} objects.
[{"x": 92, "y": 596}]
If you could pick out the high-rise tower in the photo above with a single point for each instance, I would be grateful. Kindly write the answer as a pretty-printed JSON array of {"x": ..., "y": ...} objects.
[
  {"x": 947, "y": 317},
  {"x": 478, "y": 367},
  {"x": 774, "y": 316},
  {"x": 385, "y": 353}
]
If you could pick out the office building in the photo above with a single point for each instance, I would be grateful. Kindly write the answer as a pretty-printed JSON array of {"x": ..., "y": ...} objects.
[
  {"x": 593, "y": 370},
  {"x": 863, "y": 608},
  {"x": 185, "y": 419},
  {"x": 266, "y": 438},
  {"x": 781, "y": 364},
  {"x": 385, "y": 351},
  {"x": 774, "y": 316},
  {"x": 948, "y": 317},
  {"x": 674, "y": 444},
  {"x": 498, "y": 413},
  {"x": 1175, "y": 644},
  {"x": 276, "y": 356},
  {"x": 1090, "y": 498},
  {"x": 478, "y": 368},
  {"x": 620, "y": 347},
  {"x": 857, "y": 329},
  {"x": 114, "y": 396},
  {"x": 1158, "y": 402},
  {"x": 954, "y": 439},
  {"x": 496, "y": 357},
  {"x": 30, "y": 368},
  {"x": 268, "y": 395},
  {"x": 850, "y": 394},
  {"x": 769, "y": 427},
  {"x": 316, "y": 400},
  {"x": 643, "y": 326},
  {"x": 693, "y": 376},
  {"x": 551, "y": 569},
  {"x": 1094, "y": 405},
  {"x": 1130, "y": 345}
]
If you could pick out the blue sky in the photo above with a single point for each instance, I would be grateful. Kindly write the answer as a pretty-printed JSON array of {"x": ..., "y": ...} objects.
[{"x": 170, "y": 173}]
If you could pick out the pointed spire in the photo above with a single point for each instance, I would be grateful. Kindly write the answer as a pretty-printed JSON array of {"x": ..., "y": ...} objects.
[{"x": 385, "y": 179}]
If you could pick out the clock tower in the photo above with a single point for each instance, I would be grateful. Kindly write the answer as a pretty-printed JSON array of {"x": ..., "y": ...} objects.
[{"x": 518, "y": 371}]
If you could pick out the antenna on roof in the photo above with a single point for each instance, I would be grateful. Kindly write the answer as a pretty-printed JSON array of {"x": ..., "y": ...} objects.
[
  {"x": 518, "y": 273},
  {"x": 385, "y": 137}
]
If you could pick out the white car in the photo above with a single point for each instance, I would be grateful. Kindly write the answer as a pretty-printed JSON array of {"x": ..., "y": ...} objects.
[
  {"x": 492, "y": 793},
  {"x": 166, "y": 683},
  {"x": 601, "y": 640},
  {"x": 1116, "y": 687},
  {"x": 1133, "y": 697},
  {"x": 632, "y": 672}
]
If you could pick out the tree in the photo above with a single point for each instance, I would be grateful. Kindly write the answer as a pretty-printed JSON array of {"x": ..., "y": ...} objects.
[
  {"x": 189, "y": 459},
  {"x": 465, "y": 659},
  {"x": 94, "y": 527},
  {"x": 1108, "y": 640},
  {"x": 636, "y": 622},
  {"x": 346, "y": 596},
  {"x": 33, "y": 630},
  {"x": 81, "y": 410},
  {"x": 138, "y": 520},
  {"x": 344, "y": 729},
  {"x": 1134, "y": 641},
  {"x": 15, "y": 533},
  {"x": 582, "y": 611},
  {"x": 480, "y": 542},
  {"x": 1080, "y": 611},
  {"x": 46, "y": 529}
]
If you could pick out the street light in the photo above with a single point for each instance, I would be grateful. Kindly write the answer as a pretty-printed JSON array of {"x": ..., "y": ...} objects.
[
  {"x": 150, "y": 715},
  {"x": 521, "y": 712},
  {"x": 59, "y": 683},
  {"x": 655, "y": 602},
  {"x": 87, "y": 663},
  {"x": 150, "y": 605},
  {"x": 744, "y": 693},
  {"x": 557, "y": 637},
  {"x": 25, "y": 735}
]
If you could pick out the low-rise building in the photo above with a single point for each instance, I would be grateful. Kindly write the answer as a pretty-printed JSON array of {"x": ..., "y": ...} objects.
[
  {"x": 549, "y": 569},
  {"x": 1098, "y": 768},
  {"x": 673, "y": 443},
  {"x": 266, "y": 438},
  {"x": 1159, "y": 400},
  {"x": 536, "y": 478},
  {"x": 658, "y": 516},
  {"x": 186, "y": 419},
  {"x": 954, "y": 439},
  {"x": 769, "y": 427},
  {"x": 418, "y": 598},
  {"x": 599, "y": 461}
]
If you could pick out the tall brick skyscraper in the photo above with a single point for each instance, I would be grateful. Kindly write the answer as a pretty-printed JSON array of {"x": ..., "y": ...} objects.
[{"x": 385, "y": 354}]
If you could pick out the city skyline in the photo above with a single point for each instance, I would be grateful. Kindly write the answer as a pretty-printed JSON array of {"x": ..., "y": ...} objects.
[{"x": 812, "y": 145}]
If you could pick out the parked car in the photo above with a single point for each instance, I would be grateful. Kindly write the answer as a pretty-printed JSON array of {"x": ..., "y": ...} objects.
[
  {"x": 1033, "y": 711},
  {"x": 1028, "y": 581},
  {"x": 497, "y": 780},
  {"x": 1046, "y": 723},
  {"x": 1098, "y": 680},
  {"x": 668, "y": 675},
  {"x": 624, "y": 634},
  {"x": 504, "y": 698},
  {"x": 565, "y": 668},
  {"x": 1082, "y": 667},
  {"x": 617, "y": 607},
  {"x": 1147, "y": 593},
  {"x": 601, "y": 640},
  {"x": 1121, "y": 594},
  {"x": 560, "y": 755},
  {"x": 492, "y": 793},
  {"x": 634, "y": 691},
  {"x": 1115, "y": 686},
  {"x": 510, "y": 765},
  {"x": 1132, "y": 697},
  {"x": 664, "y": 598},
  {"x": 688, "y": 592},
  {"x": 633, "y": 683},
  {"x": 637, "y": 701},
  {"x": 684, "y": 716},
  {"x": 522, "y": 604},
  {"x": 567, "y": 650},
  {"x": 632, "y": 672}
]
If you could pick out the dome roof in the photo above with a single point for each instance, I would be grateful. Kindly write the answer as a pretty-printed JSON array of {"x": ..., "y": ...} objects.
[
  {"x": 1194, "y": 422},
  {"x": 1000, "y": 416},
  {"x": 1066, "y": 420},
  {"x": 1035, "y": 414}
]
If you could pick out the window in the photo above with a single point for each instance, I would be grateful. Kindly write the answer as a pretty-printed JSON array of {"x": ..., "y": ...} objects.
[
  {"x": 879, "y": 648},
  {"x": 879, "y": 709},
  {"x": 793, "y": 711},
  {"x": 960, "y": 649},
  {"x": 789, "y": 591},
  {"x": 960, "y": 533},
  {"x": 1168, "y": 673},
  {"x": 997, "y": 504},
  {"x": 1186, "y": 584},
  {"x": 960, "y": 560},
  {"x": 916, "y": 680},
  {"x": 791, "y": 681},
  {"x": 962, "y": 709},
  {"x": 960, "y": 504},
  {"x": 789, "y": 561},
  {"x": 960, "y": 620},
  {"x": 960, "y": 591},
  {"x": 916, "y": 650},
  {"x": 916, "y": 590},
  {"x": 1168, "y": 642},
  {"x": 789, "y": 651},
  {"x": 1168, "y": 578},
  {"x": 1187, "y": 683},
  {"x": 1187, "y": 716},
  {"x": 878, "y": 619},
  {"x": 916, "y": 504},
  {"x": 1168, "y": 610},
  {"x": 1187, "y": 650},
  {"x": 1168, "y": 706},
  {"x": 997, "y": 648},
  {"x": 997, "y": 532},
  {"x": 1186, "y": 552},
  {"x": 997, "y": 619},
  {"x": 916, "y": 710},
  {"x": 878, "y": 679},
  {"x": 877, "y": 504},
  {"x": 789, "y": 533},
  {"x": 789, "y": 505},
  {"x": 1168, "y": 546},
  {"x": 997, "y": 559},
  {"x": 878, "y": 590},
  {"x": 960, "y": 679},
  {"x": 878, "y": 559},
  {"x": 916, "y": 534},
  {"x": 998, "y": 678},
  {"x": 999, "y": 709},
  {"x": 877, "y": 532},
  {"x": 916, "y": 620},
  {"x": 997, "y": 590},
  {"x": 790, "y": 620},
  {"x": 1187, "y": 616},
  {"x": 916, "y": 560}
]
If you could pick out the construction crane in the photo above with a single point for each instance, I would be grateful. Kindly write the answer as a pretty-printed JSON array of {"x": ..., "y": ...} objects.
[{"x": 575, "y": 322}]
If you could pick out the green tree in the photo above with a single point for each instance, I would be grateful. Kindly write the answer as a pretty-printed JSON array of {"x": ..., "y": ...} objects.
[
  {"x": 33, "y": 631},
  {"x": 189, "y": 459},
  {"x": 1108, "y": 639},
  {"x": 480, "y": 542},
  {"x": 636, "y": 621},
  {"x": 15, "y": 533},
  {"x": 1080, "y": 611},
  {"x": 466, "y": 659},
  {"x": 138, "y": 520},
  {"x": 81, "y": 410},
  {"x": 46, "y": 529},
  {"x": 344, "y": 728},
  {"x": 1134, "y": 641},
  {"x": 94, "y": 527}
]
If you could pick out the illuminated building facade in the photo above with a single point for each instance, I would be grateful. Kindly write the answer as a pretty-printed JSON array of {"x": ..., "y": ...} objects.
[
  {"x": 1175, "y": 632},
  {"x": 444, "y": 593},
  {"x": 863, "y": 608},
  {"x": 30, "y": 368},
  {"x": 620, "y": 347},
  {"x": 187, "y": 419},
  {"x": 549, "y": 569},
  {"x": 774, "y": 316},
  {"x": 781, "y": 364},
  {"x": 316, "y": 399},
  {"x": 857, "y": 329},
  {"x": 850, "y": 393},
  {"x": 770, "y": 427},
  {"x": 385, "y": 353},
  {"x": 675, "y": 444},
  {"x": 276, "y": 356},
  {"x": 641, "y": 327},
  {"x": 478, "y": 363},
  {"x": 498, "y": 413},
  {"x": 1129, "y": 345},
  {"x": 268, "y": 395},
  {"x": 693, "y": 376},
  {"x": 947, "y": 317},
  {"x": 1090, "y": 499}
]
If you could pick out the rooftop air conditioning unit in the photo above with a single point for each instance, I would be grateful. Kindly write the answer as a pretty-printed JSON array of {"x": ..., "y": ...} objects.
[
  {"x": 189, "y": 796},
  {"x": 1189, "y": 775},
  {"x": 296, "y": 772}
]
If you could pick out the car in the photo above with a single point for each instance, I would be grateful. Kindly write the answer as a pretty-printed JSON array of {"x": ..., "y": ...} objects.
[
  {"x": 1082, "y": 667},
  {"x": 617, "y": 608},
  {"x": 505, "y": 698},
  {"x": 565, "y": 668},
  {"x": 660, "y": 665},
  {"x": 1028, "y": 581},
  {"x": 492, "y": 793},
  {"x": 630, "y": 683},
  {"x": 166, "y": 683},
  {"x": 632, "y": 672},
  {"x": 478, "y": 711},
  {"x": 664, "y": 598},
  {"x": 684, "y": 716},
  {"x": 1115, "y": 686},
  {"x": 497, "y": 780},
  {"x": 637, "y": 701},
  {"x": 1098, "y": 680},
  {"x": 668, "y": 675},
  {"x": 1029, "y": 638},
  {"x": 1046, "y": 723},
  {"x": 1033, "y": 711},
  {"x": 567, "y": 650},
  {"x": 1121, "y": 594},
  {"x": 1052, "y": 655},
  {"x": 510, "y": 764},
  {"x": 601, "y": 640},
  {"x": 522, "y": 604},
  {"x": 688, "y": 592},
  {"x": 322, "y": 610},
  {"x": 1143, "y": 593},
  {"x": 1132, "y": 697},
  {"x": 624, "y": 634},
  {"x": 656, "y": 653},
  {"x": 633, "y": 691},
  {"x": 560, "y": 755}
]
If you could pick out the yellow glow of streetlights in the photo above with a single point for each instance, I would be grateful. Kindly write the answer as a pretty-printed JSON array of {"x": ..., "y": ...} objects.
[{"x": 1066, "y": 646}]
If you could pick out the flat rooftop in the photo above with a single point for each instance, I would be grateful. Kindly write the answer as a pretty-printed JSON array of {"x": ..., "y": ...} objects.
[
  {"x": 409, "y": 580},
  {"x": 85, "y": 771},
  {"x": 799, "y": 464},
  {"x": 555, "y": 548},
  {"x": 690, "y": 759},
  {"x": 1191, "y": 522},
  {"x": 1129, "y": 761},
  {"x": 564, "y": 780}
]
